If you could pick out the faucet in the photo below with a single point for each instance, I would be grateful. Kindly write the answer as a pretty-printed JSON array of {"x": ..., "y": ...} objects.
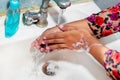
[{"x": 40, "y": 18}]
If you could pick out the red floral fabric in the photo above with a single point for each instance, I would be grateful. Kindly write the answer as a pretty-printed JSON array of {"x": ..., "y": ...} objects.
[
  {"x": 112, "y": 64},
  {"x": 103, "y": 24}
]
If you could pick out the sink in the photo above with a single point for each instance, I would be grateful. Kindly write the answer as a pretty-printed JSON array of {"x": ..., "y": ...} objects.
[
  {"x": 15, "y": 59},
  {"x": 16, "y": 62}
]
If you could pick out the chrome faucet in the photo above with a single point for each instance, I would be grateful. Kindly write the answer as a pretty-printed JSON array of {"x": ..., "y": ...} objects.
[{"x": 40, "y": 18}]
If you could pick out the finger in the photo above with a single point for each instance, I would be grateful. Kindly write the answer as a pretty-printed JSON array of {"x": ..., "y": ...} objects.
[
  {"x": 54, "y": 35},
  {"x": 45, "y": 50},
  {"x": 57, "y": 46},
  {"x": 39, "y": 39},
  {"x": 42, "y": 50},
  {"x": 60, "y": 27},
  {"x": 66, "y": 28},
  {"x": 51, "y": 41},
  {"x": 35, "y": 44}
]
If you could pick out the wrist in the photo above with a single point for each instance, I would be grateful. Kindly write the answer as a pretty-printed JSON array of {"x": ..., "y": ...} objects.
[
  {"x": 80, "y": 24},
  {"x": 96, "y": 49}
]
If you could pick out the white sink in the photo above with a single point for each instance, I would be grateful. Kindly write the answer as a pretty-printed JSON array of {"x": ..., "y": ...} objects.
[
  {"x": 16, "y": 64},
  {"x": 16, "y": 60}
]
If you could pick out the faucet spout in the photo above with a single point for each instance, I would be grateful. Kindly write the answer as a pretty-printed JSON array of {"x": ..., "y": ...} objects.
[
  {"x": 40, "y": 18},
  {"x": 63, "y": 4}
]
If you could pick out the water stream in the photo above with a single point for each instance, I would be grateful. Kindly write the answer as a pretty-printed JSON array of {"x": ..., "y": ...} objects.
[{"x": 60, "y": 16}]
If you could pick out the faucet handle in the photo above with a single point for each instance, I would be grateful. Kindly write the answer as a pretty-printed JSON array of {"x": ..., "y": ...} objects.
[{"x": 30, "y": 17}]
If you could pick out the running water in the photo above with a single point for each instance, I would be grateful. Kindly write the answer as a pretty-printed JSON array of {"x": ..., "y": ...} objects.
[
  {"x": 37, "y": 55},
  {"x": 37, "y": 58},
  {"x": 60, "y": 16}
]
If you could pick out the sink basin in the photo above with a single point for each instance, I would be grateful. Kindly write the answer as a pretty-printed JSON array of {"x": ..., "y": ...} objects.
[
  {"x": 17, "y": 64},
  {"x": 16, "y": 61}
]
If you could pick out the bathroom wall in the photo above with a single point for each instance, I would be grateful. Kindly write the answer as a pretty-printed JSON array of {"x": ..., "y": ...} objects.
[
  {"x": 106, "y": 3},
  {"x": 28, "y": 3},
  {"x": 24, "y": 3}
]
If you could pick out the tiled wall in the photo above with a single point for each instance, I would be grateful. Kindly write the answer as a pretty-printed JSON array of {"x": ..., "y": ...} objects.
[{"x": 26, "y": 3}]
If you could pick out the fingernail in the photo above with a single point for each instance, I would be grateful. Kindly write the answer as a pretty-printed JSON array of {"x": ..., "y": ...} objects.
[
  {"x": 43, "y": 42},
  {"x": 34, "y": 43},
  {"x": 47, "y": 48},
  {"x": 38, "y": 47},
  {"x": 60, "y": 26},
  {"x": 44, "y": 38},
  {"x": 42, "y": 49},
  {"x": 47, "y": 51}
]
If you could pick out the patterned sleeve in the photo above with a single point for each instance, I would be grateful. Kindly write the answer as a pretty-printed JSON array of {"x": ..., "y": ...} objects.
[
  {"x": 105, "y": 22},
  {"x": 112, "y": 64}
]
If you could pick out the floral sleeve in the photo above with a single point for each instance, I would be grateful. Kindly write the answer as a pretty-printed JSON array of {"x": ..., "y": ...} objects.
[
  {"x": 112, "y": 64},
  {"x": 105, "y": 22}
]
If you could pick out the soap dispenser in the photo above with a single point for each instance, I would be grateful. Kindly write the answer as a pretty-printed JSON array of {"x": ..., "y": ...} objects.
[{"x": 12, "y": 18}]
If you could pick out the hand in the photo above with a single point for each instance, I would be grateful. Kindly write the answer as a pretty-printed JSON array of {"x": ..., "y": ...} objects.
[{"x": 68, "y": 39}]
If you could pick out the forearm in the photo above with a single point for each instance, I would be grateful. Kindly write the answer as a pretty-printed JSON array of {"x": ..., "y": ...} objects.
[
  {"x": 96, "y": 49},
  {"x": 110, "y": 59}
]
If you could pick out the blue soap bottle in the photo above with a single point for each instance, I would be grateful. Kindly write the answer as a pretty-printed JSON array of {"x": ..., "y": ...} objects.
[{"x": 12, "y": 18}]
